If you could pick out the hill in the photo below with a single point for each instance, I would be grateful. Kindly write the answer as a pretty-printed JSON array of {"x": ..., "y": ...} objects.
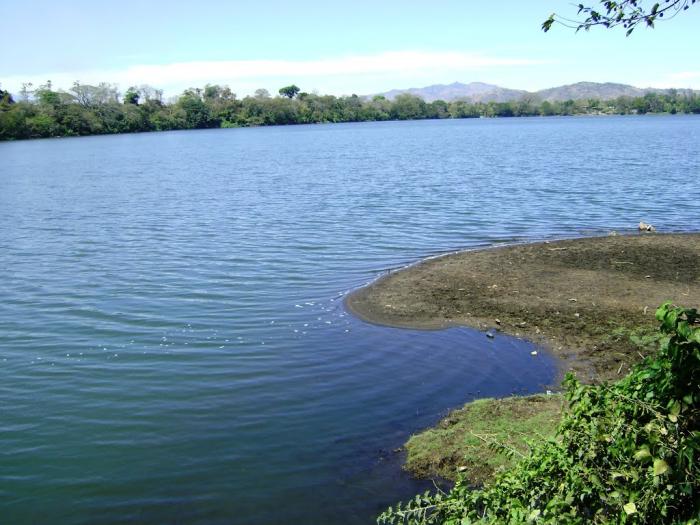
[
  {"x": 482, "y": 92},
  {"x": 475, "y": 91}
]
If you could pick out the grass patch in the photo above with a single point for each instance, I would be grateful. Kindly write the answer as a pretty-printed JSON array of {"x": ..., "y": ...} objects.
[
  {"x": 645, "y": 338},
  {"x": 483, "y": 438}
]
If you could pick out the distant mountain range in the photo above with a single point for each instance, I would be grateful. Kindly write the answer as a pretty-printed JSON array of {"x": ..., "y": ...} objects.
[{"x": 481, "y": 92}]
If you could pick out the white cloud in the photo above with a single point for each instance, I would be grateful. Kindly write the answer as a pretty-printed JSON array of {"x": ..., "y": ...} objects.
[
  {"x": 686, "y": 75},
  {"x": 361, "y": 74},
  {"x": 681, "y": 79}
]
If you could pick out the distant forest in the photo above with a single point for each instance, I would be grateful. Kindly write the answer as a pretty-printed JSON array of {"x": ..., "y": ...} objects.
[{"x": 102, "y": 109}]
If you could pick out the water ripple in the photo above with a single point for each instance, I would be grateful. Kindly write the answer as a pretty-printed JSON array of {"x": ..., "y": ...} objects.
[{"x": 173, "y": 346}]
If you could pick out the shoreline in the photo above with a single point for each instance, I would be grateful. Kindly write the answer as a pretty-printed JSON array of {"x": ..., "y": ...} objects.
[
  {"x": 322, "y": 123},
  {"x": 589, "y": 301}
]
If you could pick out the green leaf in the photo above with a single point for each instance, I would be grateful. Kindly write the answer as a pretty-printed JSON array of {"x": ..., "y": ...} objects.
[
  {"x": 674, "y": 411},
  {"x": 630, "y": 508},
  {"x": 642, "y": 454},
  {"x": 660, "y": 467}
]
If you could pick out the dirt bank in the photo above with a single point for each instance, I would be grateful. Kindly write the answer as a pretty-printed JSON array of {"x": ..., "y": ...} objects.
[{"x": 591, "y": 301}]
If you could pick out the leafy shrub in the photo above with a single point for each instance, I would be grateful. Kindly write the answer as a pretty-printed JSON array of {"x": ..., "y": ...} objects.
[{"x": 626, "y": 453}]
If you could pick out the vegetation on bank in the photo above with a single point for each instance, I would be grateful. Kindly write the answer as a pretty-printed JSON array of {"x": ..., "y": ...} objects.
[
  {"x": 483, "y": 437},
  {"x": 625, "y": 452},
  {"x": 102, "y": 109},
  {"x": 486, "y": 436}
]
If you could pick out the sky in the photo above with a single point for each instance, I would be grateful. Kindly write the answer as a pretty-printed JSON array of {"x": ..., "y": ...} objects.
[{"x": 339, "y": 48}]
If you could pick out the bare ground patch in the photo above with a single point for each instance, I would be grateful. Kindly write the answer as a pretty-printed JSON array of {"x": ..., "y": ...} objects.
[{"x": 581, "y": 298}]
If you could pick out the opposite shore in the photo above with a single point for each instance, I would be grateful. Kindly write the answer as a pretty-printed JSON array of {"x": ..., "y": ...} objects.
[{"x": 102, "y": 109}]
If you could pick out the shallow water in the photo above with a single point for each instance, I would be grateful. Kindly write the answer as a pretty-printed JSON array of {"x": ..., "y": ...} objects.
[{"x": 173, "y": 343}]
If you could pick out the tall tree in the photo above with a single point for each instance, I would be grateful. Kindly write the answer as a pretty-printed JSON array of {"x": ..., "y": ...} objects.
[
  {"x": 196, "y": 113},
  {"x": 132, "y": 96},
  {"x": 26, "y": 91},
  {"x": 6, "y": 98},
  {"x": 92, "y": 96},
  {"x": 290, "y": 91}
]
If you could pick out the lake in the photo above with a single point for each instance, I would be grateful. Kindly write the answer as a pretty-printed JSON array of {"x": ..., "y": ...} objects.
[{"x": 173, "y": 342}]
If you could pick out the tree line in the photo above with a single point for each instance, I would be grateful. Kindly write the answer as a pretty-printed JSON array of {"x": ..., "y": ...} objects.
[{"x": 102, "y": 109}]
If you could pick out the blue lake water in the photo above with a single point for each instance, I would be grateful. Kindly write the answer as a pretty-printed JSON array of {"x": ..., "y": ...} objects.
[{"x": 173, "y": 342}]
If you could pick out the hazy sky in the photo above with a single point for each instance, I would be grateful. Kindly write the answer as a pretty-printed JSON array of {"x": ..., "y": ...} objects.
[{"x": 345, "y": 47}]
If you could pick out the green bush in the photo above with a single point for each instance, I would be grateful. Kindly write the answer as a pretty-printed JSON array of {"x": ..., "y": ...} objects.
[{"x": 626, "y": 452}]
